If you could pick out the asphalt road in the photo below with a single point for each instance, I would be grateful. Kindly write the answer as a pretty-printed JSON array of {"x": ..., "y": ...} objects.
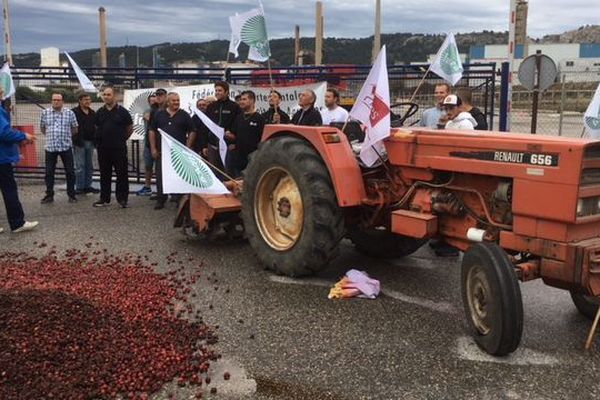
[{"x": 283, "y": 339}]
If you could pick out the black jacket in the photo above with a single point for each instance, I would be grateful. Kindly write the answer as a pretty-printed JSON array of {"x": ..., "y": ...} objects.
[
  {"x": 86, "y": 131},
  {"x": 480, "y": 118},
  {"x": 223, "y": 113},
  {"x": 310, "y": 117},
  {"x": 248, "y": 130},
  {"x": 270, "y": 113}
]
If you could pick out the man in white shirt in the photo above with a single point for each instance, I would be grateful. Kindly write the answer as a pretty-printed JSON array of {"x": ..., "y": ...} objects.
[{"x": 333, "y": 112}]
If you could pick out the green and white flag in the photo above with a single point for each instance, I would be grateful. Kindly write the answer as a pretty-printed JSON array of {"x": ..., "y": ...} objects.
[
  {"x": 591, "y": 118},
  {"x": 251, "y": 28},
  {"x": 447, "y": 64},
  {"x": 184, "y": 171},
  {"x": 6, "y": 81}
]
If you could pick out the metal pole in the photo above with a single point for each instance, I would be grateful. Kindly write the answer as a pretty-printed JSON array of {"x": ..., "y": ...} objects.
[
  {"x": 562, "y": 104},
  {"x": 103, "y": 40},
  {"x": 536, "y": 92},
  {"x": 377, "y": 35},
  {"x": 512, "y": 46},
  {"x": 7, "y": 34},
  {"x": 504, "y": 97},
  {"x": 319, "y": 35}
]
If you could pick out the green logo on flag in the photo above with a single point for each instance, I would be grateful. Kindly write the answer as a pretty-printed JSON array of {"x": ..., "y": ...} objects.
[
  {"x": 190, "y": 168},
  {"x": 593, "y": 122},
  {"x": 254, "y": 34},
  {"x": 450, "y": 60},
  {"x": 5, "y": 83}
]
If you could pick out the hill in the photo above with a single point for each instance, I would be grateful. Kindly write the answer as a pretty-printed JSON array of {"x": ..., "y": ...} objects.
[{"x": 402, "y": 48}]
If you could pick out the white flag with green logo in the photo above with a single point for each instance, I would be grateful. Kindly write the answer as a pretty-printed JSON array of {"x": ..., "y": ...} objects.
[
  {"x": 251, "y": 28},
  {"x": 6, "y": 81},
  {"x": 592, "y": 116},
  {"x": 184, "y": 171},
  {"x": 447, "y": 64},
  {"x": 84, "y": 81}
]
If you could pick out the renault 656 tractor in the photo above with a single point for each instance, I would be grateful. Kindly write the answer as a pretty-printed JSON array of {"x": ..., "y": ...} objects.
[{"x": 520, "y": 207}]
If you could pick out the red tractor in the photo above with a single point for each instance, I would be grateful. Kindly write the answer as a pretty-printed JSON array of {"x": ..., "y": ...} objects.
[{"x": 520, "y": 207}]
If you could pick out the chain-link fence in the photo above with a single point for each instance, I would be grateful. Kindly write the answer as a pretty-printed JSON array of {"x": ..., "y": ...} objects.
[{"x": 561, "y": 107}]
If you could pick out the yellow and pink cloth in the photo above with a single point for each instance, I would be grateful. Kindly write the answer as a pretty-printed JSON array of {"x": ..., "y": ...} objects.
[{"x": 355, "y": 284}]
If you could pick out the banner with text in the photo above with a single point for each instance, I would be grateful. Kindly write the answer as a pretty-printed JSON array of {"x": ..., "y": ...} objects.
[{"x": 136, "y": 101}]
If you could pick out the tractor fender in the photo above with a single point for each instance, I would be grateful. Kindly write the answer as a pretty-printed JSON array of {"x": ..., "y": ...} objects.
[{"x": 338, "y": 157}]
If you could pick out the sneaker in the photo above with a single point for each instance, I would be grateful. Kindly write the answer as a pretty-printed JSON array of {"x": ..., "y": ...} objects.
[
  {"x": 73, "y": 199},
  {"x": 27, "y": 226},
  {"x": 144, "y": 191},
  {"x": 91, "y": 190},
  {"x": 123, "y": 204},
  {"x": 47, "y": 199},
  {"x": 101, "y": 203}
]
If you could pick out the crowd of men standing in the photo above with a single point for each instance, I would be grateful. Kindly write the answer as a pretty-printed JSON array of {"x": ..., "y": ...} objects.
[{"x": 72, "y": 135}]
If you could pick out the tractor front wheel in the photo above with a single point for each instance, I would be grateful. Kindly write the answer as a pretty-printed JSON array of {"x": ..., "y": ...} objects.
[
  {"x": 492, "y": 299},
  {"x": 290, "y": 210},
  {"x": 586, "y": 305}
]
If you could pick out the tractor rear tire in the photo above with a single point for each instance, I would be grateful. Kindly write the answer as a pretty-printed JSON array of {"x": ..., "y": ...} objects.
[
  {"x": 586, "y": 305},
  {"x": 290, "y": 211},
  {"x": 383, "y": 244},
  {"x": 492, "y": 299}
]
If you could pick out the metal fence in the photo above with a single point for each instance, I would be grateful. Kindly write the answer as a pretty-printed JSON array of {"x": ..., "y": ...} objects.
[
  {"x": 561, "y": 107},
  {"x": 36, "y": 85}
]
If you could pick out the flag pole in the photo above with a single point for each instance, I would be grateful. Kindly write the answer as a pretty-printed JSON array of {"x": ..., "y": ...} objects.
[
  {"x": 226, "y": 65},
  {"x": 221, "y": 172},
  {"x": 412, "y": 98}
]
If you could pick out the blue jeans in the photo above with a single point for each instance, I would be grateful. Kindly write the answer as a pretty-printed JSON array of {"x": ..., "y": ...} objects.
[{"x": 84, "y": 165}]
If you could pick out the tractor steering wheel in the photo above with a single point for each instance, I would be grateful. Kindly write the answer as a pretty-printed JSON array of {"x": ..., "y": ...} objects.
[{"x": 399, "y": 119}]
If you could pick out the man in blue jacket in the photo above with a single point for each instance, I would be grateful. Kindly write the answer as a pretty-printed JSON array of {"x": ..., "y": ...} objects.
[{"x": 9, "y": 155}]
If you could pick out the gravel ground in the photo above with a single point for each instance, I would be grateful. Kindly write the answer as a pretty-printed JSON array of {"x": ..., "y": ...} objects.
[{"x": 283, "y": 339}]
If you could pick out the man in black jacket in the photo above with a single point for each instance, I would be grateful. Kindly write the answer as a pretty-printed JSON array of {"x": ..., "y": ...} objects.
[
  {"x": 466, "y": 95},
  {"x": 308, "y": 115},
  {"x": 83, "y": 145},
  {"x": 223, "y": 112},
  {"x": 275, "y": 115},
  {"x": 114, "y": 126},
  {"x": 245, "y": 134}
]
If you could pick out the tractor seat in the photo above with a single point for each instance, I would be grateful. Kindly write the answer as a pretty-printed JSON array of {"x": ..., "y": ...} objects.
[{"x": 353, "y": 130}]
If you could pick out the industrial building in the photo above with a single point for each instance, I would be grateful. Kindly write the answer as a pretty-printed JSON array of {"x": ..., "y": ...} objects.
[{"x": 579, "y": 62}]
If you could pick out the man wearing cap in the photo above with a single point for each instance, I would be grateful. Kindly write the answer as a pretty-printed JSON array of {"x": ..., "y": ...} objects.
[
  {"x": 146, "y": 190},
  {"x": 457, "y": 119},
  {"x": 431, "y": 117}
]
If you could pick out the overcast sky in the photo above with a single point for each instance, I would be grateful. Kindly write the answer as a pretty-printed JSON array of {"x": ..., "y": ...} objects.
[{"x": 73, "y": 24}]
